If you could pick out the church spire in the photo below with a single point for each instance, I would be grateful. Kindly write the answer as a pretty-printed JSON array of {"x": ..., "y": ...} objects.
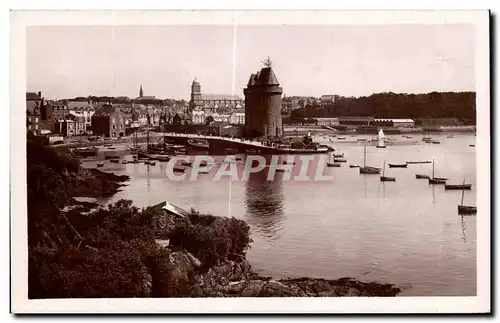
[{"x": 140, "y": 92}]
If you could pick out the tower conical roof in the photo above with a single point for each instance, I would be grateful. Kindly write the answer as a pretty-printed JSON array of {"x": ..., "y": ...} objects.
[
  {"x": 267, "y": 77},
  {"x": 252, "y": 80}
]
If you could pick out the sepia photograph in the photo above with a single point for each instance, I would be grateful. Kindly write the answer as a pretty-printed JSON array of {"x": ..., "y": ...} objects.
[{"x": 250, "y": 160}]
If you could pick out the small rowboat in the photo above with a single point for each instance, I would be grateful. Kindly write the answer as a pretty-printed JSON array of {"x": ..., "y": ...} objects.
[
  {"x": 472, "y": 145},
  {"x": 338, "y": 155},
  {"x": 124, "y": 161},
  {"x": 436, "y": 181},
  {"x": 387, "y": 179},
  {"x": 340, "y": 160},
  {"x": 100, "y": 164},
  {"x": 398, "y": 165},
  {"x": 458, "y": 187},
  {"x": 467, "y": 210},
  {"x": 369, "y": 170},
  {"x": 464, "y": 209},
  {"x": 333, "y": 165},
  {"x": 353, "y": 166},
  {"x": 421, "y": 176},
  {"x": 419, "y": 162}
]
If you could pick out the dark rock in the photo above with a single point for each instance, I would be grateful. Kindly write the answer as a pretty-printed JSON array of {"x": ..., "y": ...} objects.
[{"x": 253, "y": 288}]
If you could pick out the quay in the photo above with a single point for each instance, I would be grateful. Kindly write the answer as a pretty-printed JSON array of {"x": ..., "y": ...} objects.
[{"x": 218, "y": 143}]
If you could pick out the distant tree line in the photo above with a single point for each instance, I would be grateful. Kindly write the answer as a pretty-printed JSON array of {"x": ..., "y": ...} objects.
[{"x": 460, "y": 105}]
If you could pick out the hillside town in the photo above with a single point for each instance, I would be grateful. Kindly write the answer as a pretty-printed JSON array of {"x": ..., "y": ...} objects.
[{"x": 222, "y": 114}]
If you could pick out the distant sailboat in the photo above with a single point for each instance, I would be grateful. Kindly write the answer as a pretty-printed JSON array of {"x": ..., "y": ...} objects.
[
  {"x": 330, "y": 162},
  {"x": 463, "y": 209},
  {"x": 368, "y": 169},
  {"x": 381, "y": 136},
  {"x": 384, "y": 178},
  {"x": 436, "y": 180}
]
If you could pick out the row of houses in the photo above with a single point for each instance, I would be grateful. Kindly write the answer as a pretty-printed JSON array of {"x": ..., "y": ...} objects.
[
  {"x": 366, "y": 121},
  {"x": 70, "y": 118},
  {"x": 199, "y": 116}
]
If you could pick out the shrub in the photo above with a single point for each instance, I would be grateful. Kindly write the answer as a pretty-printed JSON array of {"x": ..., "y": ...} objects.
[{"x": 221, "y": 239}]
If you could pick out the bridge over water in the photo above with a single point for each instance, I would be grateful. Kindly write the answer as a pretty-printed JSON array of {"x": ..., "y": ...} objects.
[{"x": 242, "y": 145}]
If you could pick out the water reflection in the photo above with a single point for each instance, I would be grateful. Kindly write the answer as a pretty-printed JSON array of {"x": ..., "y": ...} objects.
[
  {"x": 264, "y": 204},
  {"x": 433, "y": 194},
  {"x": 464, "y": 229}
]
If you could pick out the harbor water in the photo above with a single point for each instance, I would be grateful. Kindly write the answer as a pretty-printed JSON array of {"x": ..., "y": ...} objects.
[{"x": 404, "y": 232}]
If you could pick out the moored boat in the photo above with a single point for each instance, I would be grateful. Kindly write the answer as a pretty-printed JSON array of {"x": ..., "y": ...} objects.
[
  {"x": 465, "y": 209},
  {"x": 100, "y": 164},
  {"x": 339, "y": 160},
  {"x": 419, "y": 162},
  {"x": 380, "y": 138},
  {"x": 368, "y": 169},
  {"x": 458, "y": 186},
  {"x": 114, "y": 160},
  {"x": 398, "y": 165},
  {"x": 353, "y": 166},
  {"x": 436, "y": 180},
  {"x": 124, "y": 161},
  {"x": 338, "y": 155},
  {"x": 384, "y": 178},
  {"x": 198, "y": 143},
  {"x": 421, "y": 176}
]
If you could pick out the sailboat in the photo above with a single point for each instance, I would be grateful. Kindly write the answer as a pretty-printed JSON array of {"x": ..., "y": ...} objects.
[
  {"x": 331, "y": 163},
  {"x": 436, "y": 180},
  {"x": 368, "y": 169},
  {"x": 381, "y": 143},
  {"x": 463, "y": 209},
  {"x": 384, "y": 178}
]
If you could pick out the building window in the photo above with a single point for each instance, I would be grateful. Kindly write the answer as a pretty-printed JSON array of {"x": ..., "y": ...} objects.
[
  {"x": 36, "y": 119},
  {"x": 36, "y": 127},
  {"x": 114, "y": 127}
]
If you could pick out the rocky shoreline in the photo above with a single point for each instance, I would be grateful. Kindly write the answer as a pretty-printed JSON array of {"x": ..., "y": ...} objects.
[{"x": 115, "y": 251}]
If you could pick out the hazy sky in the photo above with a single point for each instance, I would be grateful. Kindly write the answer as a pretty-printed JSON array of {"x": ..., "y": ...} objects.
[{"x": 69, "y": 61}]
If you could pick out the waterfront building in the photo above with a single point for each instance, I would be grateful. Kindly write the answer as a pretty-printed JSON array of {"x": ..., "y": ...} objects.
[
  {"x": 263, "y": 104},
  {"x": 72, "y": 126},
  {"x": 86, "y": 115},
  {"x": 327, "y": 121},
  {"x": 108, "y": 121},
  {"x": 356, "y": 121},
  {"x": 213, "y": 103},
  {"x": 397, "y": 123}
]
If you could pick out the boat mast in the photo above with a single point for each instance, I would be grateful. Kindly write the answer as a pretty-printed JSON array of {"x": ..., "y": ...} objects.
[
  {"x": 463, "y": 191},
  {"x": 364, "y": 158},
  {"x": 433, "y": 168}
]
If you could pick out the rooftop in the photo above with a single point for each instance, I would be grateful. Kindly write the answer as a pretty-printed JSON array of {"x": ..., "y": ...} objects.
[
  {"x": 104, "y": 111},
  {"x": 220, "y": 97},
  {"x": 265, "y": 76},
  {"x": 32, "y": 96}
]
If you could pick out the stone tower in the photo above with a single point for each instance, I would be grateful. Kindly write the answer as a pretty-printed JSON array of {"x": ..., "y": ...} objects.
[
  {"x": 141, "y": 93},
  {"x": 263, "y": 104},
  {"x": 195, "y": 94}
]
